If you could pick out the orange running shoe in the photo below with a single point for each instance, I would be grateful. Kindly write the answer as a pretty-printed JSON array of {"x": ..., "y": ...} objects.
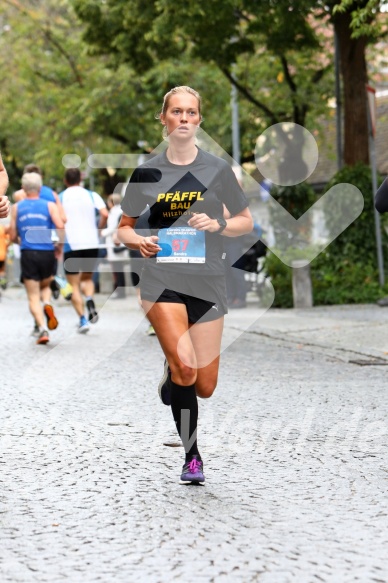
[{"x": 52, "y": 322}]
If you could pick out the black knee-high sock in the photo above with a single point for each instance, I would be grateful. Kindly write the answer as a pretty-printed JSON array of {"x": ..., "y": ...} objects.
[{"x": 184, "y": 408}]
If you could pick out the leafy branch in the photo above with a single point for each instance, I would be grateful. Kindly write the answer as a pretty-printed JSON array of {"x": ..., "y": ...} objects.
[
  {"x": 247, "y": 94},
  {"x": 47, "y": 34}
]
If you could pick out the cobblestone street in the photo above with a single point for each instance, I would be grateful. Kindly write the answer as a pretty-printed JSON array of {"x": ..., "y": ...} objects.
[{"x": 294, "y": 444}]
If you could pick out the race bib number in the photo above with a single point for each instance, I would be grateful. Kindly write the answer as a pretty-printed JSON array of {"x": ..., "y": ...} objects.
[{"x": 181, "y": 245}]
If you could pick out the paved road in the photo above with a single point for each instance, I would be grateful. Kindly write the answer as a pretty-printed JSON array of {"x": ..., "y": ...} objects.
[{"x": 294, "y": 442}]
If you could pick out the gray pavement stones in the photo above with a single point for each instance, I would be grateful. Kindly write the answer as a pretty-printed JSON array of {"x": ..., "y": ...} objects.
[{"x": 294, "y": 442}]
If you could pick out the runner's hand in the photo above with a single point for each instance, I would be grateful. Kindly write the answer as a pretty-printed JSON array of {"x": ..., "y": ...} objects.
[
  {"x": 202, "y": 222},
  {"x": 58, "y": 249},
  {"x": 148, "y": 246}
]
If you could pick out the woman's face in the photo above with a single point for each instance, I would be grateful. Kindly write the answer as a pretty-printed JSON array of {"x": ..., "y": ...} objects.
[{"x": 182, "y": 116}]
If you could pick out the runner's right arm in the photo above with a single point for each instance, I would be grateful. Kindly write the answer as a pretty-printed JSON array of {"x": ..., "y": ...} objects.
[{"x": 126, "y": 234}]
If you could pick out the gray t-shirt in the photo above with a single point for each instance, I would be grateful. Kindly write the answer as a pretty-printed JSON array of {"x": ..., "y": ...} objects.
[{"x": 174, "y": 192}]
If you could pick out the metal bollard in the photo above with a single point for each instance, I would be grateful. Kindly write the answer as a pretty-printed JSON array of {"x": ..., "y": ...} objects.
[{"x": 302, "y": 292}]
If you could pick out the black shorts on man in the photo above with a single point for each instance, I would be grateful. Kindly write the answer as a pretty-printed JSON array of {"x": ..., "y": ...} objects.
[
  {"x": 36, "y": 265},
  {"x": 80, "y": 261}
]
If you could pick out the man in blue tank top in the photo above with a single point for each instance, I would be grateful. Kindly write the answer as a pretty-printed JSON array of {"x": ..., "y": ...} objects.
[
  {"x": 45, "y": 193},
  {"x": 32, "y": 221}
]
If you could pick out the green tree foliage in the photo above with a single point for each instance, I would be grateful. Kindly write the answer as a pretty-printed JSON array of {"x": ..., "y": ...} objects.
[
  {"x": 275, "y": 62},
  {"x": 277, "y": 45},
  {"x": 59, "y": 95},
  {"x": 57, "y": 98},
  {"x": 357, "y": 242},
  {"x": 363, "y": 17}
]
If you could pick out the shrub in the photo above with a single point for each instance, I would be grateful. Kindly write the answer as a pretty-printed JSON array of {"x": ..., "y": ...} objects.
[
  {"x": 346, "y": 271},
  {"x": 357, "y": 242},
  {"x": 281, "y": 279}
]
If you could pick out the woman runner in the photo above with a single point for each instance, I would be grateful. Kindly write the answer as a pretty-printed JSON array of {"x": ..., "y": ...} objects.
[{"x": 182, "y": 284}]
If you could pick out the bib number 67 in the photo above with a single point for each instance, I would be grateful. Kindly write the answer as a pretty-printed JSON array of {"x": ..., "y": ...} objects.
[{"x": 179, "y": 244}]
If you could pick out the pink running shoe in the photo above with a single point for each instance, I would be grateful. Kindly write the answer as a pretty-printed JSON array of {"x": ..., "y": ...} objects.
[{"x": 192, "y": 471}]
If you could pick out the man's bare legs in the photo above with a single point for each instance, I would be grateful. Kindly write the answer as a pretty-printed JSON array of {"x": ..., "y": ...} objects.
[
  {"x": 87, "y": 288},
  {"x": 83, "y": 285},
  {"x": 38, "y": 291},
  {"x": 87, "y": 284},
  {"x": 33, "y": 295},
  {"x": 76, "y": 299}
]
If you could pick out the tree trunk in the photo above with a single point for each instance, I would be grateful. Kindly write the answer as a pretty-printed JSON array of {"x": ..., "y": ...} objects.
[{"x": 354, "y": 76}]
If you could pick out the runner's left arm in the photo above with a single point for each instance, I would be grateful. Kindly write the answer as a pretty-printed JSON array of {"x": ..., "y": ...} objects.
[
  {"x": 61, "y": 210},
  {"x": 100, "y": 205},
  {"x": 103, "y": 217}
]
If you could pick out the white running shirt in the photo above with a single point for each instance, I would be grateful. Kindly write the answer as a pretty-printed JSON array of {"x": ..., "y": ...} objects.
[{"x": 80, "y": 207}]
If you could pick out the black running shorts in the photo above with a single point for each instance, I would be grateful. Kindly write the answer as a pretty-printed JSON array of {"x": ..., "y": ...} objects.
[
  {"x": 168, "y": 288},
  {"x": 80, "y": 261},
  {"x": 36, "y": 265}
]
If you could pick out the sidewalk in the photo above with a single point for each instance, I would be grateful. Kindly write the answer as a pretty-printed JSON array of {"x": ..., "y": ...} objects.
[{"x": 351, "y": 333}]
